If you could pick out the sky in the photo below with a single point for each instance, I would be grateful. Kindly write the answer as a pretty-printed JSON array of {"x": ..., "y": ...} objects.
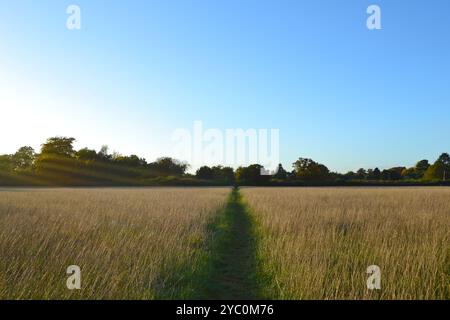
[{"x": 339, "y": 93}]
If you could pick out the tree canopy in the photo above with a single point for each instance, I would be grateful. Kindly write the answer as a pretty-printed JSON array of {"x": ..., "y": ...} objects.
[
  {"x": 58, "y": 163},
  {"x": 308, "y": 169}
]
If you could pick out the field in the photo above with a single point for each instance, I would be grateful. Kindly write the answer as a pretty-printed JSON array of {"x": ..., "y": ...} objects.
[
  {"x": 215, "y": 243},
  {"x": 318, "y": 243},
  {"x": 129, "y": 243}
]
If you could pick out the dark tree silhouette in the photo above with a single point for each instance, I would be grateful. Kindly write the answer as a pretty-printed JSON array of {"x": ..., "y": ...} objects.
[
  {"x": 281, "y": 174},
  {"x": 58, "y": 163},
  {"x": 307, "y": 169},
  {"x": 205, "y": 173}
]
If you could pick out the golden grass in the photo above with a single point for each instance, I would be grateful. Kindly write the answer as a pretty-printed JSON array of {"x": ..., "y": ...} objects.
[
  {"x": 316, "y": 243},
  {"x": 129, "y": 243}
]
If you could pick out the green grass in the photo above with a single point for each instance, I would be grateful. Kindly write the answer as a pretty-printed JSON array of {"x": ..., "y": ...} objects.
[{"x": 231, "y": 269}]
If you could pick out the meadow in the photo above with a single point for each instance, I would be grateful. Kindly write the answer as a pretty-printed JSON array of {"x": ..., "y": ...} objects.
[
  {"x": 316, "y": 243},
  {"x": 219, "y": 243},
  {"x": 129, "y": 243}
]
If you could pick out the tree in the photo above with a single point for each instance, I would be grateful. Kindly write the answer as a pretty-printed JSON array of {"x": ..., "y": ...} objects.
[
  {"x": 86, "y": 154},
  {"x": 410, "y": 173},
  {"x": 57, "y": 163},
  {"x": 349, "y": 175},
  {"x": 217, "y": 173},
  {"x": 6, "y": 169},
  {"x": 376, "y": 174},
  {"x": 6, "y": 163},
  {"x": 225, "y": 174},
  {"x": 308, "y": 169},
  {"x": 444, "y": 159},
  {"x": 103, "y": 154},
  {"x": 250, "y": 175},
  {"x": 281, "y": 173},
  {"x": 132, "y": 161},
  {"x": 440, "y": 169},
  {"x": 24, "y": 158},
  {"x": 393, "y": 173},
  {"x": 417, "y": 171},
  {"x": 435, "y": 172},
  {"x": 422, "y": 166},
  {"x": 361, "y": 174},
  {"x": 58, "y": 146},
  {"x": 168, "y": 167},
  {"x": 373, "y": 174},
  {"x": 205, "y": 173}
]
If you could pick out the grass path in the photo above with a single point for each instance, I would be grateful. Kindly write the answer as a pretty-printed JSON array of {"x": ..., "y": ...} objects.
[
  {"x": 229, "y": 267},
  {"x": 232, "y": 273}
]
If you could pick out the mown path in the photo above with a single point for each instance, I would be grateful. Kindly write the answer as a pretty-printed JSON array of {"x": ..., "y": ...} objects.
[
  {"x": 233, "y": 266},
  {"x": 229, "y": 270}
]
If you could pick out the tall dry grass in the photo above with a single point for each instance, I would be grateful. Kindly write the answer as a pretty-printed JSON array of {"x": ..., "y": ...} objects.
[
  {"x": 316, "y": 243},
  {"x": 129, "y": 243}
]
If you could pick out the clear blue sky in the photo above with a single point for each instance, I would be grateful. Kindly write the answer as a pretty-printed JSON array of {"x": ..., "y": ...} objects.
[{"x": 339, "y": 93}]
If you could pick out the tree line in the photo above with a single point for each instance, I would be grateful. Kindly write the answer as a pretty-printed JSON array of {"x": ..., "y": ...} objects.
[{"x": 59, "y": 164}]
